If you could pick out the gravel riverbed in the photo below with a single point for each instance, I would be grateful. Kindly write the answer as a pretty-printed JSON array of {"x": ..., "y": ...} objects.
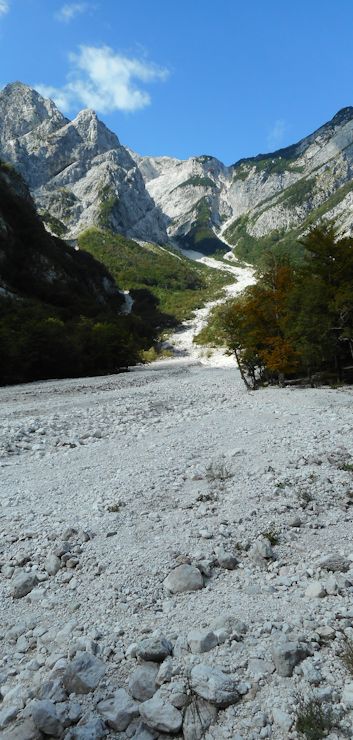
[{"x": 140, "y": 593}]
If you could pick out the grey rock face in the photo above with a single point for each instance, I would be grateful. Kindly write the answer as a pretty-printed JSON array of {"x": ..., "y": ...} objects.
[
  {"x": 80, "y": 174},
  {"x": 23, "y": 585},
  {"x": 155, "y": 649},
  {"x": 286, "y": 655},
  {"x": 45, "y": 717},
  {"x": 118, "y": 711},
  {"x": 268, "y": 193},
  {"x": 161, "y": 716},
  {"x": 142, "y": 682},
  {"x": 199, "y": 715},
  {"x": 184, "y": 578},
  {"x": 213, "y": 685},
  {"x": 83, "y": 674},
  {"x": 77, "y": 170}
]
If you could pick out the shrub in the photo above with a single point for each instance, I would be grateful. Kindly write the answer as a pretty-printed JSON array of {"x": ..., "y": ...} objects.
[
  {"x": 218, "y": 471},
  {"x": 272, "y": 536},
  {"x": 347, "y": 655},
  {"x": 314, "y": 719}
]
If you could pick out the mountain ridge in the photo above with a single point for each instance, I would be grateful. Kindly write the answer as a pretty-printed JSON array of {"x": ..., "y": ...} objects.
[{"x": 80, "y": 175}]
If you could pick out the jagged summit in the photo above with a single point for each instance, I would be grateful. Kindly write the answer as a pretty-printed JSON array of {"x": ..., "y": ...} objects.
[
  {"x": 79, "y": 173},
  {"x": 22, "y": 109}
]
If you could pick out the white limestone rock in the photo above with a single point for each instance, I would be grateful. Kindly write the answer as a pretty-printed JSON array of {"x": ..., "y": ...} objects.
[
  {"x": 213, "y": 685},
  {"x": 184, "y": 578}
]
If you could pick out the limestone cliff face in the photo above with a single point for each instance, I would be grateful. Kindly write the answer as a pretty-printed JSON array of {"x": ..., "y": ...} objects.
[
  {"x": 80, "y": 175},
  {"x": 78, "y": 172},
  {"x": 263, "y": 197}
]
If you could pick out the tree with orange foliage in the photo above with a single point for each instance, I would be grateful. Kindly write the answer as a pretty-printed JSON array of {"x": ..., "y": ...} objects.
[{"x": 255, "y": 327}]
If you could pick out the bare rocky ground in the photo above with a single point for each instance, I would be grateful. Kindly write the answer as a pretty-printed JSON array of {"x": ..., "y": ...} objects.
[{"x": 117, "y": 492}]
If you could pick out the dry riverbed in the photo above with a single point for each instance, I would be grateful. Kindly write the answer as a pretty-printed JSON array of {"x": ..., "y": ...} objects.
[{"x": 116, "y": 493}]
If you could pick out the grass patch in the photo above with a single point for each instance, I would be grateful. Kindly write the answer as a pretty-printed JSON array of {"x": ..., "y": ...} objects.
[
  {"x": 212, "y": 335},
  {"x": 314, "y": 719},
  {"x": 272, "y": 536},
  {"x": 347, "y": 467},
  {"x": 197, "y": 181},
  {"x": 218, "y": 471}
]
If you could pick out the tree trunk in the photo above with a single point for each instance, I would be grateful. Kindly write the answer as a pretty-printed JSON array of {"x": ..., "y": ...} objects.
[{"x": 241, "y": 370}]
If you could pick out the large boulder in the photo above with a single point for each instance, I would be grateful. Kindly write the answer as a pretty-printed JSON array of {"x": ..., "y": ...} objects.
[
  {"x": 154, "y": 649},
  {"x": 118, "y": 711},
  {"x": 83, "y": 674},
  {"x": 161, "y": 715},
  {"x": 45, "y": 718},
  {"x": 23, "y": 584},
  {"x": 184, "y": 578},
  {"x": 286, "y": 655},
  {"x": 212, "y": 684},
  {"x": 142, "y": 682}
]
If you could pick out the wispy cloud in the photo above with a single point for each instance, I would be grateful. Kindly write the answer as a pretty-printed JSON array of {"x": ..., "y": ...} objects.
[
  {"x": 102, "y": 79},
  {"x": 276, "y": 134},
  {"x": 68, "y": 12},
  {"x": 4, "y": 7}
]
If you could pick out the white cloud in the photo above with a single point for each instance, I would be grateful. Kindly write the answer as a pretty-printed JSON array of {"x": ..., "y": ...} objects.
[
  {"x": 276, "y": 134},
  {"x": 69, "y": 11},
  {"x": 59, "y": 96},
  {"x": 4, "y": 7},
  {"x": 101, "y": 79}
]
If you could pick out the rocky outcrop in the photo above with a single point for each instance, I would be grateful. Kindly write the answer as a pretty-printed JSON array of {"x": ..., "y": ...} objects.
[{"x": 78, "y": 172}]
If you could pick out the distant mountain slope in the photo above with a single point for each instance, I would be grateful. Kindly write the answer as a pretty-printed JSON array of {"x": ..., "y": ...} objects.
[
  {"x": 258, "y": 201},
  {"x": 81, "y": 176}
]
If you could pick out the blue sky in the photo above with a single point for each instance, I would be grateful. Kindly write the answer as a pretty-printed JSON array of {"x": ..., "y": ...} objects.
[{"x": 183, "y": 77}]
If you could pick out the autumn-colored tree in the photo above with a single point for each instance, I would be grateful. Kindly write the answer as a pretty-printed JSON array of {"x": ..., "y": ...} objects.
[
  {"x": 255, "y": 327},
  {"x": 297, "y": 321}
]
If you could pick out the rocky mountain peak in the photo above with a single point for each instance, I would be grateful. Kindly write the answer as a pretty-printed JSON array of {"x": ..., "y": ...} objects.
[
  {"x": 22, "y": 109},
  {"x": 343, "y": 116},
  {"x": 94, "y": 131}
]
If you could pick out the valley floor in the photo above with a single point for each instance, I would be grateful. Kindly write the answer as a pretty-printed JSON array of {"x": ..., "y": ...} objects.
[{"x": 111, "y": 476}]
